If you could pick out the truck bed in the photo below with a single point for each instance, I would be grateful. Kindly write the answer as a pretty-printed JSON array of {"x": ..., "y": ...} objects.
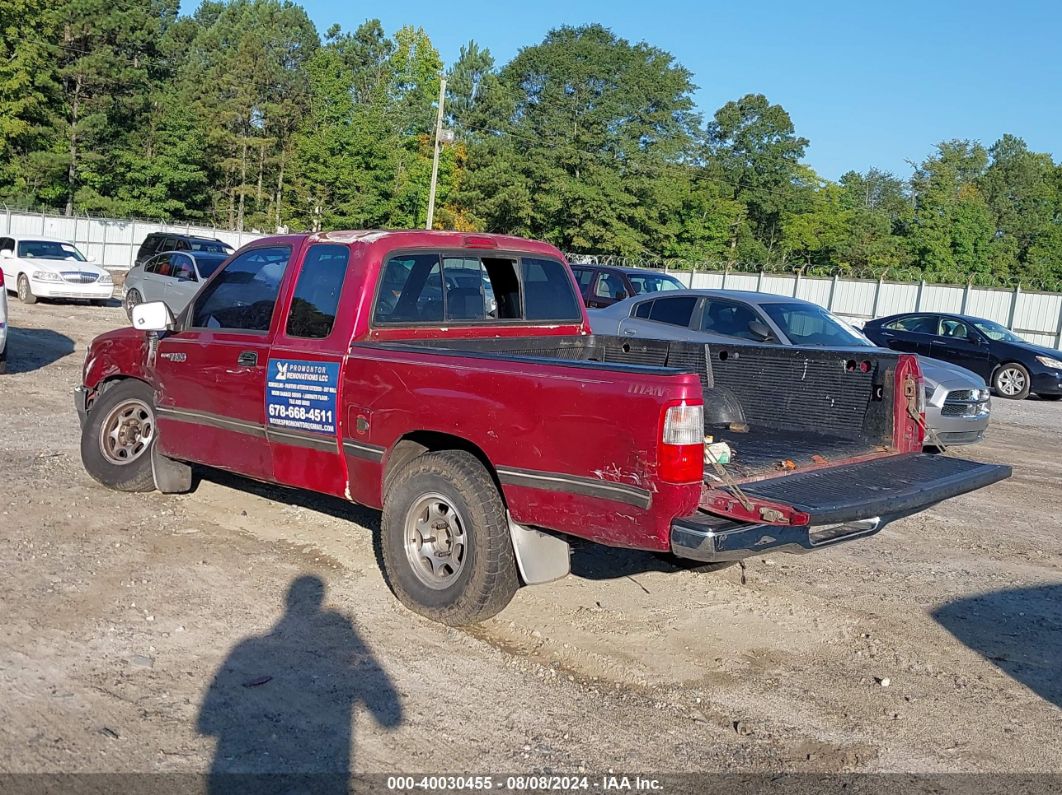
[{"x": 779, "y": 408}]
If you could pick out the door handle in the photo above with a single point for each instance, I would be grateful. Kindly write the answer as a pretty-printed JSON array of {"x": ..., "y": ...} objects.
[{"x": 247, "y": 359}]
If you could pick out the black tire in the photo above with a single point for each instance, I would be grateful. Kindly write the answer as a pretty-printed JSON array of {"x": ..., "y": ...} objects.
[
  {"x": 485, "y": 576},
  {"x": 135, "y": 398},
  {"x": 132, "y": 298},
  {"x": 25, "y": 292},
  {"x": 1011, "y": 381},
  {"x": 3, "y": 359},
  {"x": 695, "y": 565},
  {"x": 1042, "y": 397}
]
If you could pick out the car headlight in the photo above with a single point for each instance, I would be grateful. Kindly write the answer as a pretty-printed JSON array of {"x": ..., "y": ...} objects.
[
  {"x": 105, "y": 279},
  {"x": 48, "y": 276},
  {"x": 983, "y": 394},
  {"x": 1048, "y": 361}
]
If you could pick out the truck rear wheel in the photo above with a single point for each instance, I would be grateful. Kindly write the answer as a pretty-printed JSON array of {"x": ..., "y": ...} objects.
[
  {"x": 445, "y": 544},
  {"x": 118, "y": 436}
]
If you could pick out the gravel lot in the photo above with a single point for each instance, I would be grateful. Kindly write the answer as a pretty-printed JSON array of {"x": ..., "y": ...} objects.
[{"x": 932, "y": 647}]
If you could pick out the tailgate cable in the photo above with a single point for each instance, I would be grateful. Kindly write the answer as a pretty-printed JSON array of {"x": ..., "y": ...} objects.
[
  {"x": 931, "y": 434},
  {"x": 729, "y": 481},
  {"x": 909, "y": 388}
]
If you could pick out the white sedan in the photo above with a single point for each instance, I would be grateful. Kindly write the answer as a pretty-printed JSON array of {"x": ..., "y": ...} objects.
[{"x": 40, "y": 267}]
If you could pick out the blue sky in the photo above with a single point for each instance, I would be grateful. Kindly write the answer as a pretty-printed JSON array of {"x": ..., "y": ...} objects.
[{"x": 870, "y": 84}]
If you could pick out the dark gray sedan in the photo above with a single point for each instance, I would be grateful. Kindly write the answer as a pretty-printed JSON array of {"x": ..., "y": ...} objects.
[
  {"x": 173, "y": 277},
  {"x": 957, "y": 401}
]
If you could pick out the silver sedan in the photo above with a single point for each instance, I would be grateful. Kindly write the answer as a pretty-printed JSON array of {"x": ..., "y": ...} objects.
[
  {"x": 957, "y": 401},
  {"x": 173, "y": 277}
]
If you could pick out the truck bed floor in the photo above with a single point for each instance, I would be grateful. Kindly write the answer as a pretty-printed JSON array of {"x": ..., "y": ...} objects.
[{"x": 761, "y": 451}]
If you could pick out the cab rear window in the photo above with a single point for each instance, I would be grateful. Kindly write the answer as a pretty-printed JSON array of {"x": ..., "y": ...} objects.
[{"x": 467, "y": 288}]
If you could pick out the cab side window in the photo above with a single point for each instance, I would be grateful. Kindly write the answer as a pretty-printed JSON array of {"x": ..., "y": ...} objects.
[
  {"x": 316, "y": 301},
  {"x": 243, "y": 296},
  {"x": 583, "y": 276}
]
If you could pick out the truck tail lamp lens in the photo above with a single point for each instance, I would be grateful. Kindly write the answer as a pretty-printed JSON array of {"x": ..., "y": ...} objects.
[{"x": 682, "y": 444}]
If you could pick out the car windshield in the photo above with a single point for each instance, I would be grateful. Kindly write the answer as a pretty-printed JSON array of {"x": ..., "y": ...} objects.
[
  {"x": 813, "y": 325},
  {"x": 208, "y": 263},
  {"x": 653, "y": 282},
  {"x": 996, "y": 332},
  {"x": 49, "y": 249},
  {"x": 210, "y": 246}
]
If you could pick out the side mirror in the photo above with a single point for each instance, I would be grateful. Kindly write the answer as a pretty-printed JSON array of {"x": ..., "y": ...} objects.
[
  {"x": 90, "y": 259},
  {"x": 761, "y": 330},
  {"x": 621, "y": 294},
  {"x": 152, "y": 316}
]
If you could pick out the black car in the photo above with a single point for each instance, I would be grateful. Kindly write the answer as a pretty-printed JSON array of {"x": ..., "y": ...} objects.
[
  {"x": 604, "y": 285},
  {"x": 158, "y": 242},
  {"x": 1011, "y": 365}
]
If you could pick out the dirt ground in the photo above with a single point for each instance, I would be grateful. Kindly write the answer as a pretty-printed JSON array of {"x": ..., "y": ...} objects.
[{"x": 933, "y": 647}]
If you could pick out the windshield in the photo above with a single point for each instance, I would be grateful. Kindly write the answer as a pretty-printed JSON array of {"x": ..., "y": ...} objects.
[
  {"x": 812, "y": 325},
  {"x": 49, "y": 249},
  {"x": 996, "y": 332},
  {"x": 653, "y": 282},
  {"x": 207, "y": 264}
]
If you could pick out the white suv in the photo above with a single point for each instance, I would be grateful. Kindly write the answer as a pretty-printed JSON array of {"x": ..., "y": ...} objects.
[{"x": 39, "y": 267}]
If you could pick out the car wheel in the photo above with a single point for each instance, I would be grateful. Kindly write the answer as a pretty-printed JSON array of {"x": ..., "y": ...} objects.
[
  {"x": 1012, "y": 381},
  {"x": 132, "y": 298},
  {"x": 444, "y": 540},
  {"x": 25, "y": 294},
  {"x": 1049, "y": 397},
  {"x": 118, "y": 435}
]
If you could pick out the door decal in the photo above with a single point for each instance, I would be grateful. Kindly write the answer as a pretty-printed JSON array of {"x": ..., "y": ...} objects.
[{"x": 302, "y": 394}]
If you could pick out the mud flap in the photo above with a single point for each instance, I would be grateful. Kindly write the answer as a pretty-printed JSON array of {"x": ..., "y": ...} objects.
[
  {"x": 540, "y": 557},
  {"x": 171, "y": 477}
]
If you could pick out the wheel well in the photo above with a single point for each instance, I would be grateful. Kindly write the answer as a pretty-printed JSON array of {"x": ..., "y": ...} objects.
[
  {"x": 419, "y": 442},
  {"x": 106, "y": 384}
]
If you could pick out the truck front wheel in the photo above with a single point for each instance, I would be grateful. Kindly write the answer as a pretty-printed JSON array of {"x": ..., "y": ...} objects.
[
  {"x": 445, "y": 544},
  {"x": 118, "y": 435}
]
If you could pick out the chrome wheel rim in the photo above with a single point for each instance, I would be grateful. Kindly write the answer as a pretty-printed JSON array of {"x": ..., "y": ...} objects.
[
  {"x": 435, "y": 540},
  {"x": 1011, "y": 381},
  {"x": 23, "y": 288},
  {"x": 127, "y": 432}
]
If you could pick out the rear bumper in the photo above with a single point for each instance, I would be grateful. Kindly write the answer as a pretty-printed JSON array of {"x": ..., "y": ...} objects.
[{"x": 844, "y": 503}]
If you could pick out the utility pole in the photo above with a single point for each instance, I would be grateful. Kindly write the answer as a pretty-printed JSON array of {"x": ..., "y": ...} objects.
[{"x": 435, "y": 158}]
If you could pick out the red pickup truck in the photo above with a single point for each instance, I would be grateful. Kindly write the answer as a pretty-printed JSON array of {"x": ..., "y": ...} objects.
[{"x": 451, "y": 380}]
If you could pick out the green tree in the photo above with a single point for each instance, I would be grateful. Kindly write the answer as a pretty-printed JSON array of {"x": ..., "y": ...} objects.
[
  {"x": 756, "y": 153},
  {"x": 592, "y": 125}
]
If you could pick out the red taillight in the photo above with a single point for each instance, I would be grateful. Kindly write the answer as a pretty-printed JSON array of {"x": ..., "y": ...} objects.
[
  {"x": 477, "y": 241},
  {"x": 1, "y": 278},
  {"x": 681, "y": 455}
]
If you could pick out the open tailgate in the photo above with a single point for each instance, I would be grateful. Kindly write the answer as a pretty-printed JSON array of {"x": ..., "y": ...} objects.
[
  {"x": 832, "y": 503},
  {"x": 897, "y": 485}
]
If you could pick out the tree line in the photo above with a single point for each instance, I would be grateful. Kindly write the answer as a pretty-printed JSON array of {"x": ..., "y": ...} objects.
[{"x": 244, "y": 116}]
